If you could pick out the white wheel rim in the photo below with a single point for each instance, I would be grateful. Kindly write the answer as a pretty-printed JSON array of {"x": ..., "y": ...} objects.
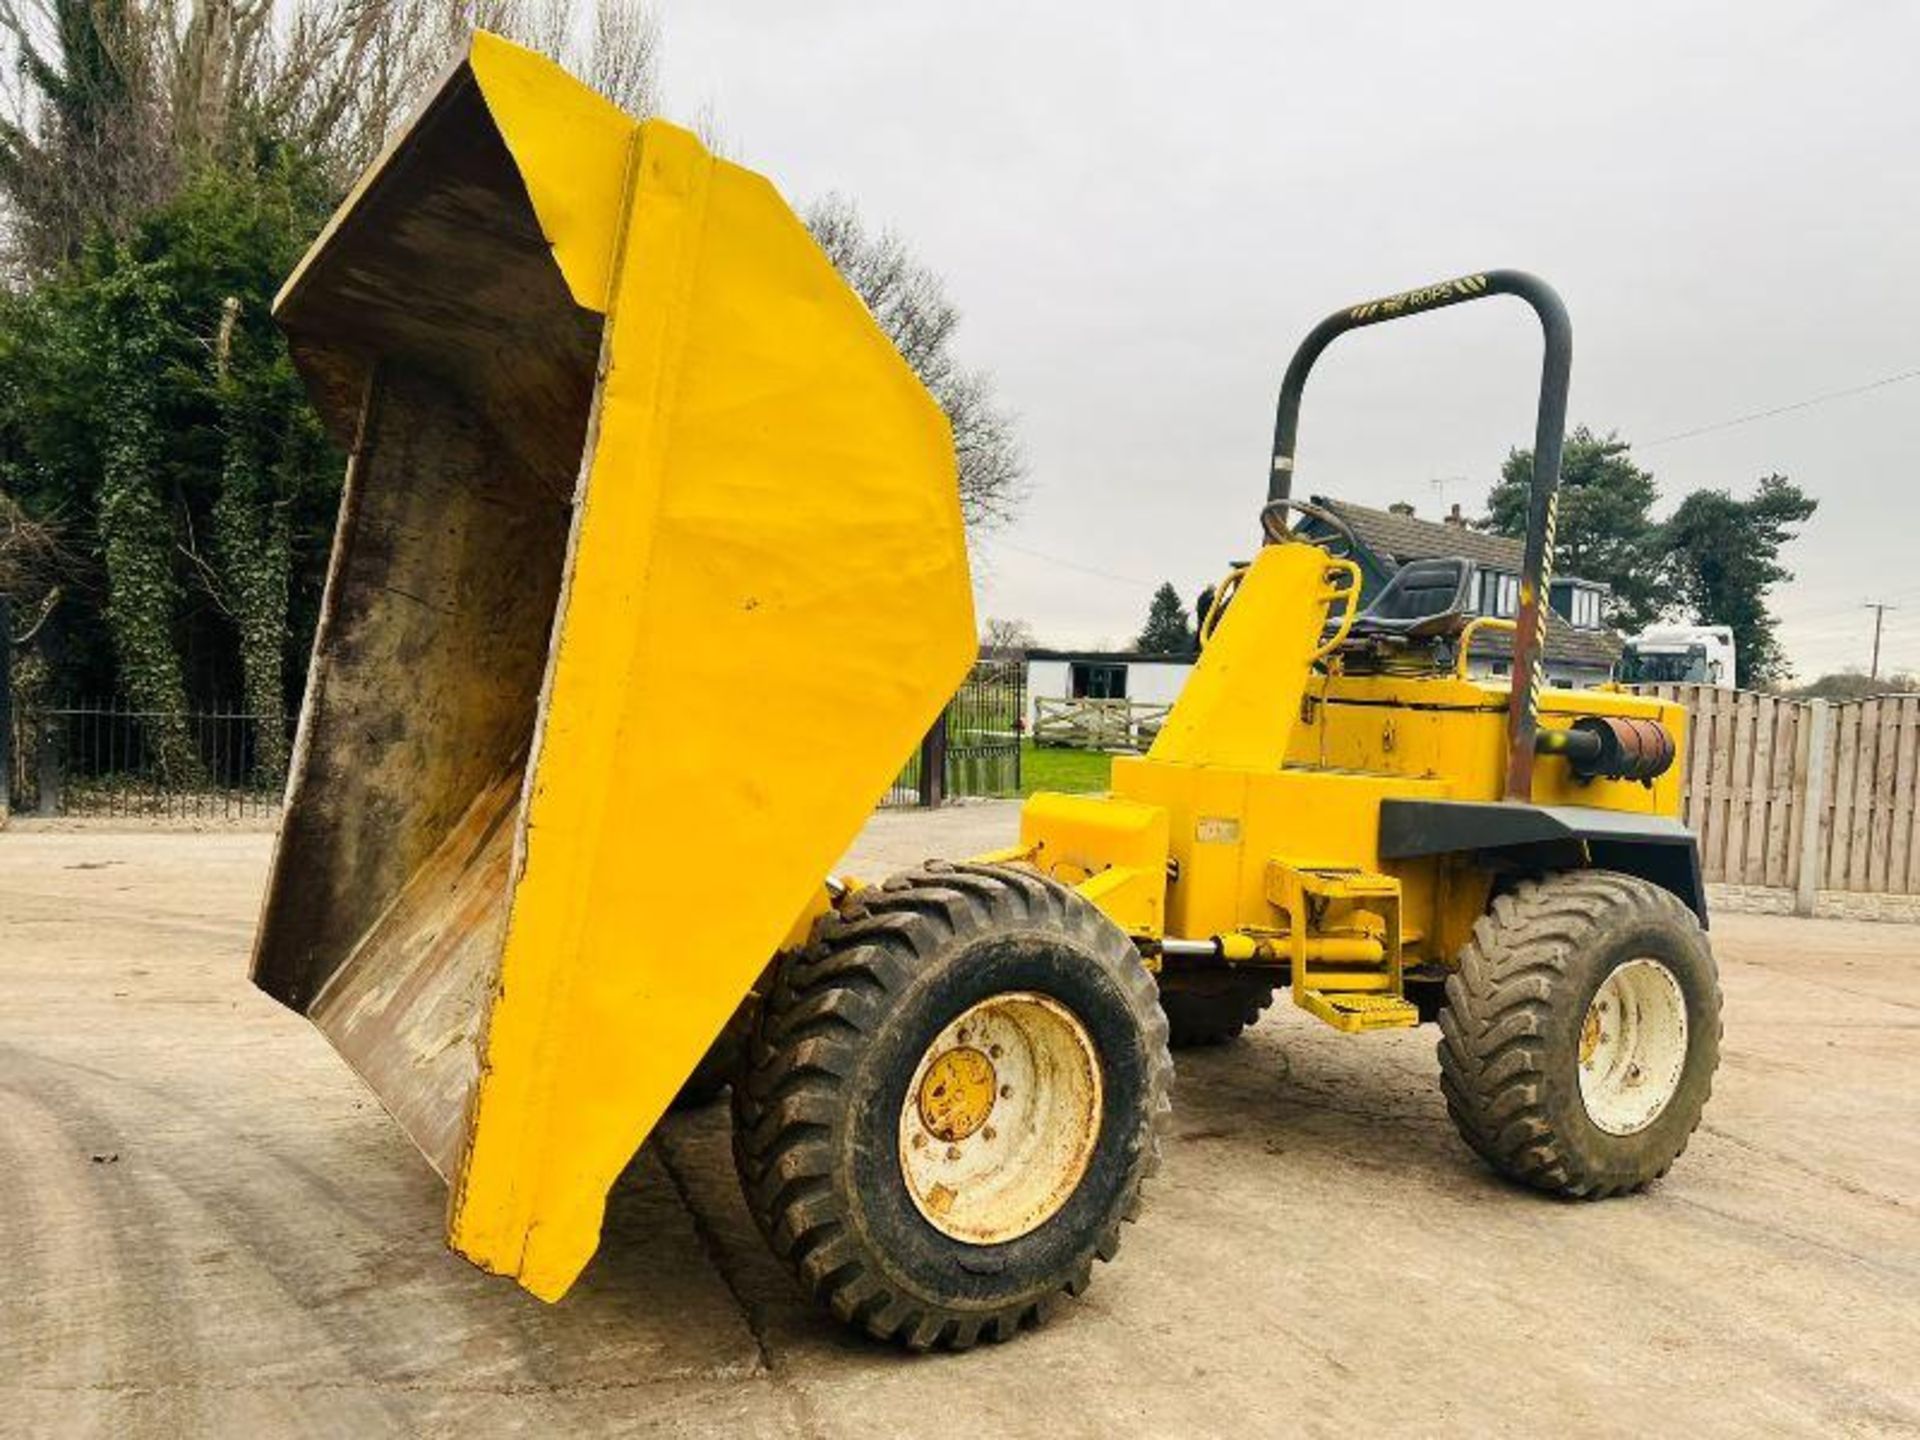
[
  {"x": 1633, "y": 1047},
  {"x": 1001, "y": 1118}
]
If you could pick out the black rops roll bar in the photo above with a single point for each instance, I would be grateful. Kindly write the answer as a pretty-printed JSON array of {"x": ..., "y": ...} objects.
[{"x": 1536, "y": 571}]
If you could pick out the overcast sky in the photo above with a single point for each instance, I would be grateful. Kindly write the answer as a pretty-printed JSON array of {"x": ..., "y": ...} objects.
[{"x": 1140, "y": 210}]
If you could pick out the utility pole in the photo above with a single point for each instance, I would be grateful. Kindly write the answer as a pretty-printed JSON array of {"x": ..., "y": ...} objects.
[{"x": 1879, "y": 618}]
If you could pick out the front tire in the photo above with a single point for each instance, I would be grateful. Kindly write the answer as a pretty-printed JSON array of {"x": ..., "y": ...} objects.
[
  {"x": 951, "y": 1103},
  {"x": 1581, "y": 1033}
]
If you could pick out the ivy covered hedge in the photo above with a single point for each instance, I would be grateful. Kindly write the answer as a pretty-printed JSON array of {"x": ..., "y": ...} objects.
[{"x": 150, "y": 414}]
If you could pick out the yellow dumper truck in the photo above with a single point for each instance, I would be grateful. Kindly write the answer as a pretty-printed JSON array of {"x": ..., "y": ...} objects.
[{"x": 650, "y": 571}]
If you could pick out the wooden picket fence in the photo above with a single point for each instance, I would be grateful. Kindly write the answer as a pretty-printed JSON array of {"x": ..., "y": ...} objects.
[
  {"x": 1097, "y": 724},
  {"x": 1757, "y": 767}
]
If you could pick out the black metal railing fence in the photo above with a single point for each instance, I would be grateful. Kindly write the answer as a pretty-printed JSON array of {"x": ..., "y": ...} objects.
[
  {"x": 82, "y": 758},
  {"x": 107, "y": 758},
  {"x": 973, "y": 750}
]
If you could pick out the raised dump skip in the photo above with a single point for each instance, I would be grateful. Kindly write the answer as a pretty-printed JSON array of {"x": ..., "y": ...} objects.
[{"x": 649, "y": 574}]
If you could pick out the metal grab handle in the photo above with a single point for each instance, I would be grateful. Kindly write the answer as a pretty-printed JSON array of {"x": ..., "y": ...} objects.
[
  {"x": 1350, "y": 592},
  {"x": 1474, "y": 627},
  {"x": 1550, "y": 425},
  {"x": 1217, "y": 607}
]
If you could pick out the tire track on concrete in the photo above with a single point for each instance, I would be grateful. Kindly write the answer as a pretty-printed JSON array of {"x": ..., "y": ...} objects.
[
  {"x": 236, "y": 1210},
  {"x": 336, "y": 1258},
  {"x": 1812, "y": 1172},
  {"x": 94, "y": 1243},
  {"x": 725, "y": 1265},
  {"x": 26, "y": 908}
]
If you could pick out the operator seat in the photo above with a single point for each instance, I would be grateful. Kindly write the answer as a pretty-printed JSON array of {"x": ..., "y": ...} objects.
[{"x": 1422, "y": 600}]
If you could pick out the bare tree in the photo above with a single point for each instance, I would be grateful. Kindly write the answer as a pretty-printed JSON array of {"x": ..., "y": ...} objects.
[
  {"x": 612, "y": 45},
  {"x": 911, "y": 304},
  {"x": 1004, "y": 636},
  {"x": 79, "y": 108},
  {"x": 355, "y": 69},
  {"x": 37, "y": 572},
  {"x": 349, "y": 72},
  {"x": 33, "y": 554},
  {"x": 105, "y": 105}
]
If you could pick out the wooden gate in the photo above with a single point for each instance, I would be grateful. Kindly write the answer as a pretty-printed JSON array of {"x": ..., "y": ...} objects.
[{"x": 1090, "y": 724}]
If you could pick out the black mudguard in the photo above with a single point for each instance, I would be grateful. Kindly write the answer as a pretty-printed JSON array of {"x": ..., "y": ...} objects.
[{"x": 1656, "y": 848}]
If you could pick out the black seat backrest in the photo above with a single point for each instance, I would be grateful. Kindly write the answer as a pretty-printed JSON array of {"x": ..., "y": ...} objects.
[
  {"x": 1422, "y": 598},
  {"x": 1422, "y": 588}
]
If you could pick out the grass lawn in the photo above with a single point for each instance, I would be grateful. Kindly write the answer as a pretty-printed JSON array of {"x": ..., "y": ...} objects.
[{"x": 1072, "y": 771}]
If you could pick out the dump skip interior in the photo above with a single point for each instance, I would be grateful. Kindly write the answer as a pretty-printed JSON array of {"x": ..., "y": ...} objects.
[{"x": 444, "y": 347}]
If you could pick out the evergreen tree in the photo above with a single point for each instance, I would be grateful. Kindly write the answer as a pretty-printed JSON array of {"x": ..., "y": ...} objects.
[
  {"x": 1168, "y": 630},
  {"x": 1606, "y": 529},
  {"x": 147, "y": 401},
  {"x": 1724, "y": 555}
]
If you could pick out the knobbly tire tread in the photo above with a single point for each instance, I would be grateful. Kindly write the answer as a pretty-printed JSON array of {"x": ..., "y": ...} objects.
[
  {"x": 1212, "y": 1007},
  {"x": 1530, "y": 961},
  {"x": 790, "y": 1109}
]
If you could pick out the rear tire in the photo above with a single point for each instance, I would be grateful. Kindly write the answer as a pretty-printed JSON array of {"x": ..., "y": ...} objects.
[
  {"x": 869, "y": 1071},
  {"x": 1212, "y": 1006},
  {"x": 720, "y": 1066},
  {"x": 1581, "y": 1033},
  {"x": 711, "y": 1076}
]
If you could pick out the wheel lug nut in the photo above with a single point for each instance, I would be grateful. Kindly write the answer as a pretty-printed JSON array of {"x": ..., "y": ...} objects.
[
  {"x": 953, "y": 1152},
  {"x": 1005, "y": 1091},
  {"x": 987, "y": 1134},
  {"x": 919, "y": 1142},
  {"x": 994, "y": 1052}
]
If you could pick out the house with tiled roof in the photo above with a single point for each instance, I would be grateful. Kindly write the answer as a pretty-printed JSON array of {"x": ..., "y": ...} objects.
[{"x": 1581, "y": 650}]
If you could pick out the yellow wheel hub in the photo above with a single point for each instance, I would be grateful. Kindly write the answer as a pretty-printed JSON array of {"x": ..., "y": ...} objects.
[{"x": 957, "y": 1094}]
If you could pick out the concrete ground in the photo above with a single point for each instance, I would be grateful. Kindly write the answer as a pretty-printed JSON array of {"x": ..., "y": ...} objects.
[{"x": 210, "y": 1228}]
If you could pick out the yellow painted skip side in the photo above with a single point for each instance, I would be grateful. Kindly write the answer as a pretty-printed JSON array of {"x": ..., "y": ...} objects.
[
  {"x": 767, "y": 604},
  {"x": 571, "y": 146}
]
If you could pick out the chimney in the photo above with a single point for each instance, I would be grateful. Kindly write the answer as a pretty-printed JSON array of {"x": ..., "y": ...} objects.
[
  {"x": 1455, "y": 518},
  {"x": 1401, "y": 507}
]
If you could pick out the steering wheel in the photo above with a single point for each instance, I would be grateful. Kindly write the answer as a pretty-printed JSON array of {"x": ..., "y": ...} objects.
[{"x": 1273, "y": 522}]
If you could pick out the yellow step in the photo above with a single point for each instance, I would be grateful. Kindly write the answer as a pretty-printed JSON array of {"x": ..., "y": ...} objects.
[
  {"x": 1345, "y": 982},
  {"x": 1346, "y": 1010}
]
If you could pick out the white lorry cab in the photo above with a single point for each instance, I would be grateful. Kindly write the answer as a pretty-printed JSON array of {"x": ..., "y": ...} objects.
[{"x": 1679, "y": 655}]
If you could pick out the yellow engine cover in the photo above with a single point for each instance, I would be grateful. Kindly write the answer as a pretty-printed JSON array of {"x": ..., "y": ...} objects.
[{"x": 650, "y": 574}]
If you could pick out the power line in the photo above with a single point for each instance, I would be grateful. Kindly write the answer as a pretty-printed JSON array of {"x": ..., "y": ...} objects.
[
  {"x": 1824, "y": 622},
  {"x": 1805, "y": 404},
  {"x": 1830, "y": 613},
  {"x": 1848, "y": 621},
  {"x": 1130, "y": 581},
  {"x": 1439, "y": 484}
]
